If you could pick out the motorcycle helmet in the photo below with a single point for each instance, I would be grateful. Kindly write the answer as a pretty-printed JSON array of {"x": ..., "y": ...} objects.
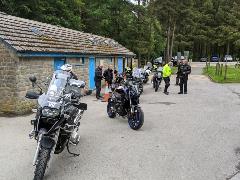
[
  {"x": 66, "y": 67},
  {"x": 148, "y": 71},
  {"x": 119, "y": 78}
]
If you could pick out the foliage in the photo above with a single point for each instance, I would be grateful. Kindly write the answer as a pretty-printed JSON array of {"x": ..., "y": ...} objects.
[
  {"x": 65, "y": 13},
  {"x": 150, "y": 28}
]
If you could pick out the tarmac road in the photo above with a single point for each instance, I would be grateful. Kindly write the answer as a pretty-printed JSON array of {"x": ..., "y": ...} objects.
[{"x": 184, "y": 137}]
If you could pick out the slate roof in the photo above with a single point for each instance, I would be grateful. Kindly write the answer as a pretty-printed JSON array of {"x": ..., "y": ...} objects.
[{"x": 31, "y": 36}]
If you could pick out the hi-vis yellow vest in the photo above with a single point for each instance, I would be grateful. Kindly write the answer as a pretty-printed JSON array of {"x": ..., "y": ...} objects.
[{"x": 167, "y": 71}]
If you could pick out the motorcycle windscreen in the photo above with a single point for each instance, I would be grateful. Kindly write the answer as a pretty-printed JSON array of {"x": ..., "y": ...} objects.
[{"x": 55, "y": 91}]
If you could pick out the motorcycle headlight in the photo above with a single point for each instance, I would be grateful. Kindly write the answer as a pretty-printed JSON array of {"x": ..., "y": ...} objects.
[{"x": 49, "y": 112}]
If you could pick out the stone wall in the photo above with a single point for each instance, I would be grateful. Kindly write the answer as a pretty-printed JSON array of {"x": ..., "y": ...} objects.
[
  {"x": 8, "y": 67},
  {"x": 42, "y": 68},
  {"x": 105, "y": 61}
]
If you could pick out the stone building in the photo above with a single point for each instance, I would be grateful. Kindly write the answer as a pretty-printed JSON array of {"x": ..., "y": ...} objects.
[{"x": 28, "y": 47}]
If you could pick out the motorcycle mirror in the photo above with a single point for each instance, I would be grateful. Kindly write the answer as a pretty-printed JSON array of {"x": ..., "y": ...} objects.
[{"x": 33, "y": 79}]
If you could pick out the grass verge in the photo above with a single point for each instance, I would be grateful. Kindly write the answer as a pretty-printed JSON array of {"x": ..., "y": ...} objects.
[{"x": 233, "y": 74}]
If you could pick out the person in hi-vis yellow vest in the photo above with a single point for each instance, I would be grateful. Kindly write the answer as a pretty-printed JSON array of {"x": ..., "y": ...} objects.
[{"x": 167, "y": 72}]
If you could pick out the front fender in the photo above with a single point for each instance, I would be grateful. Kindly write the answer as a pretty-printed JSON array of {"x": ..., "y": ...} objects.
[{"x": 47, "y": 142}]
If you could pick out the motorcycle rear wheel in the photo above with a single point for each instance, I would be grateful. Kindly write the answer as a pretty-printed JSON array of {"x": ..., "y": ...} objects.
[
  {"x": 156, "y": 86},
  {"x": 136, "y": 121},
  {"x": 110, "y": 113},
  {"x": 145, "y": 81},
  {"x": 141, "y": 89},
  {"x": 43, "y": 158}
]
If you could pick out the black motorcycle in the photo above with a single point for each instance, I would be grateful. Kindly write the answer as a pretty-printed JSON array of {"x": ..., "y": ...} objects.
[
  {"x": 145, "y": 75},
  {"x": 157, "y": 79},
  {"x": 57, "y": 118},
  {"x": 137, "y": 83},
  {"x": 125, "y": 102}
]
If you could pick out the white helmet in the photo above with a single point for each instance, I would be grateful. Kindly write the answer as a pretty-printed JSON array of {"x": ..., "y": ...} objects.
[{"x": 66, "y": 67}]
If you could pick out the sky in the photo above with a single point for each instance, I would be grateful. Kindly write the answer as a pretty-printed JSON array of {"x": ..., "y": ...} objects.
[{"x": 133, "y": 1}]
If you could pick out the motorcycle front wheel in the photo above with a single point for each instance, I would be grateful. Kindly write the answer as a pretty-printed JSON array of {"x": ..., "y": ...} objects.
[
  {"x": 136, "y": 121},
  {"x": 43, "y": 158},
  {"x": 110, "y": 111}
]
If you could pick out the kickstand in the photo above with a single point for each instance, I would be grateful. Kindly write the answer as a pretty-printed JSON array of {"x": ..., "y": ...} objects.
[{"x": 74, "y": 154}]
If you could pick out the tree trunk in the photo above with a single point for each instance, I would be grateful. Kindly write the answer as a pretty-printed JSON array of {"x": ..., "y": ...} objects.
[
  {"x": 150, "y": 42},
  {"x": 138, "y": 13},
  {"x": 172, "y": 40},
  {"x": 168, "y": 44},
  {"x": 205, "y": 49},
  {"x": 228, "y": 47}
]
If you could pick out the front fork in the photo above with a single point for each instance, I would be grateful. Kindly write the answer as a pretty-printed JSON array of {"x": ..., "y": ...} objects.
[
  {"x": 131, "y": 106},
  {"x": 41, "y": 134},
  {"x": 38, "y": 147},
  {"x": 37, "y": 151}
]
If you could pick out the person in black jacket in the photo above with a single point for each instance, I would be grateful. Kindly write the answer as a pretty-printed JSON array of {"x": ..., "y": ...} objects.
[
  {"x": 178, "y": 72},
  {"x": 108, "y": 75},
  {"x": 184, "y": 71},
  {"x": 98, "y": 78}
]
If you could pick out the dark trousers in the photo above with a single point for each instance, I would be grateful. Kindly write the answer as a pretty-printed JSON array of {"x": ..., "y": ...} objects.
[
  {"x": 183, "y": 85},
  {"x": 98, "y": 88},
  {"x": 109, "y": 84},
  {"x": 167, "y": 83},
  {"x": 177, "y": 80}
]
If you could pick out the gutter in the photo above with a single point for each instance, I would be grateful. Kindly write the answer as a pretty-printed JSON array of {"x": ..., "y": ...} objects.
[{"x": 69, "y": 55}]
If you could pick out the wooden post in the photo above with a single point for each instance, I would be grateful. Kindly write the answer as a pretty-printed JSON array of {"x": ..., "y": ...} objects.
[
  {"x": 225, "y": 72},
  {"x": 207, "y": 65},
  {"x": 221, "y": 69},
  {"x": 216, "y": 69}
]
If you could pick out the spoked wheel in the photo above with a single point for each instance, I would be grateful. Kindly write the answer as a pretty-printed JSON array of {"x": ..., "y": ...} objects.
[
  {"x": 43, "y": 158},
  {"x": 136, "y": 121},
  {"x": 110, "y": 110}
]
